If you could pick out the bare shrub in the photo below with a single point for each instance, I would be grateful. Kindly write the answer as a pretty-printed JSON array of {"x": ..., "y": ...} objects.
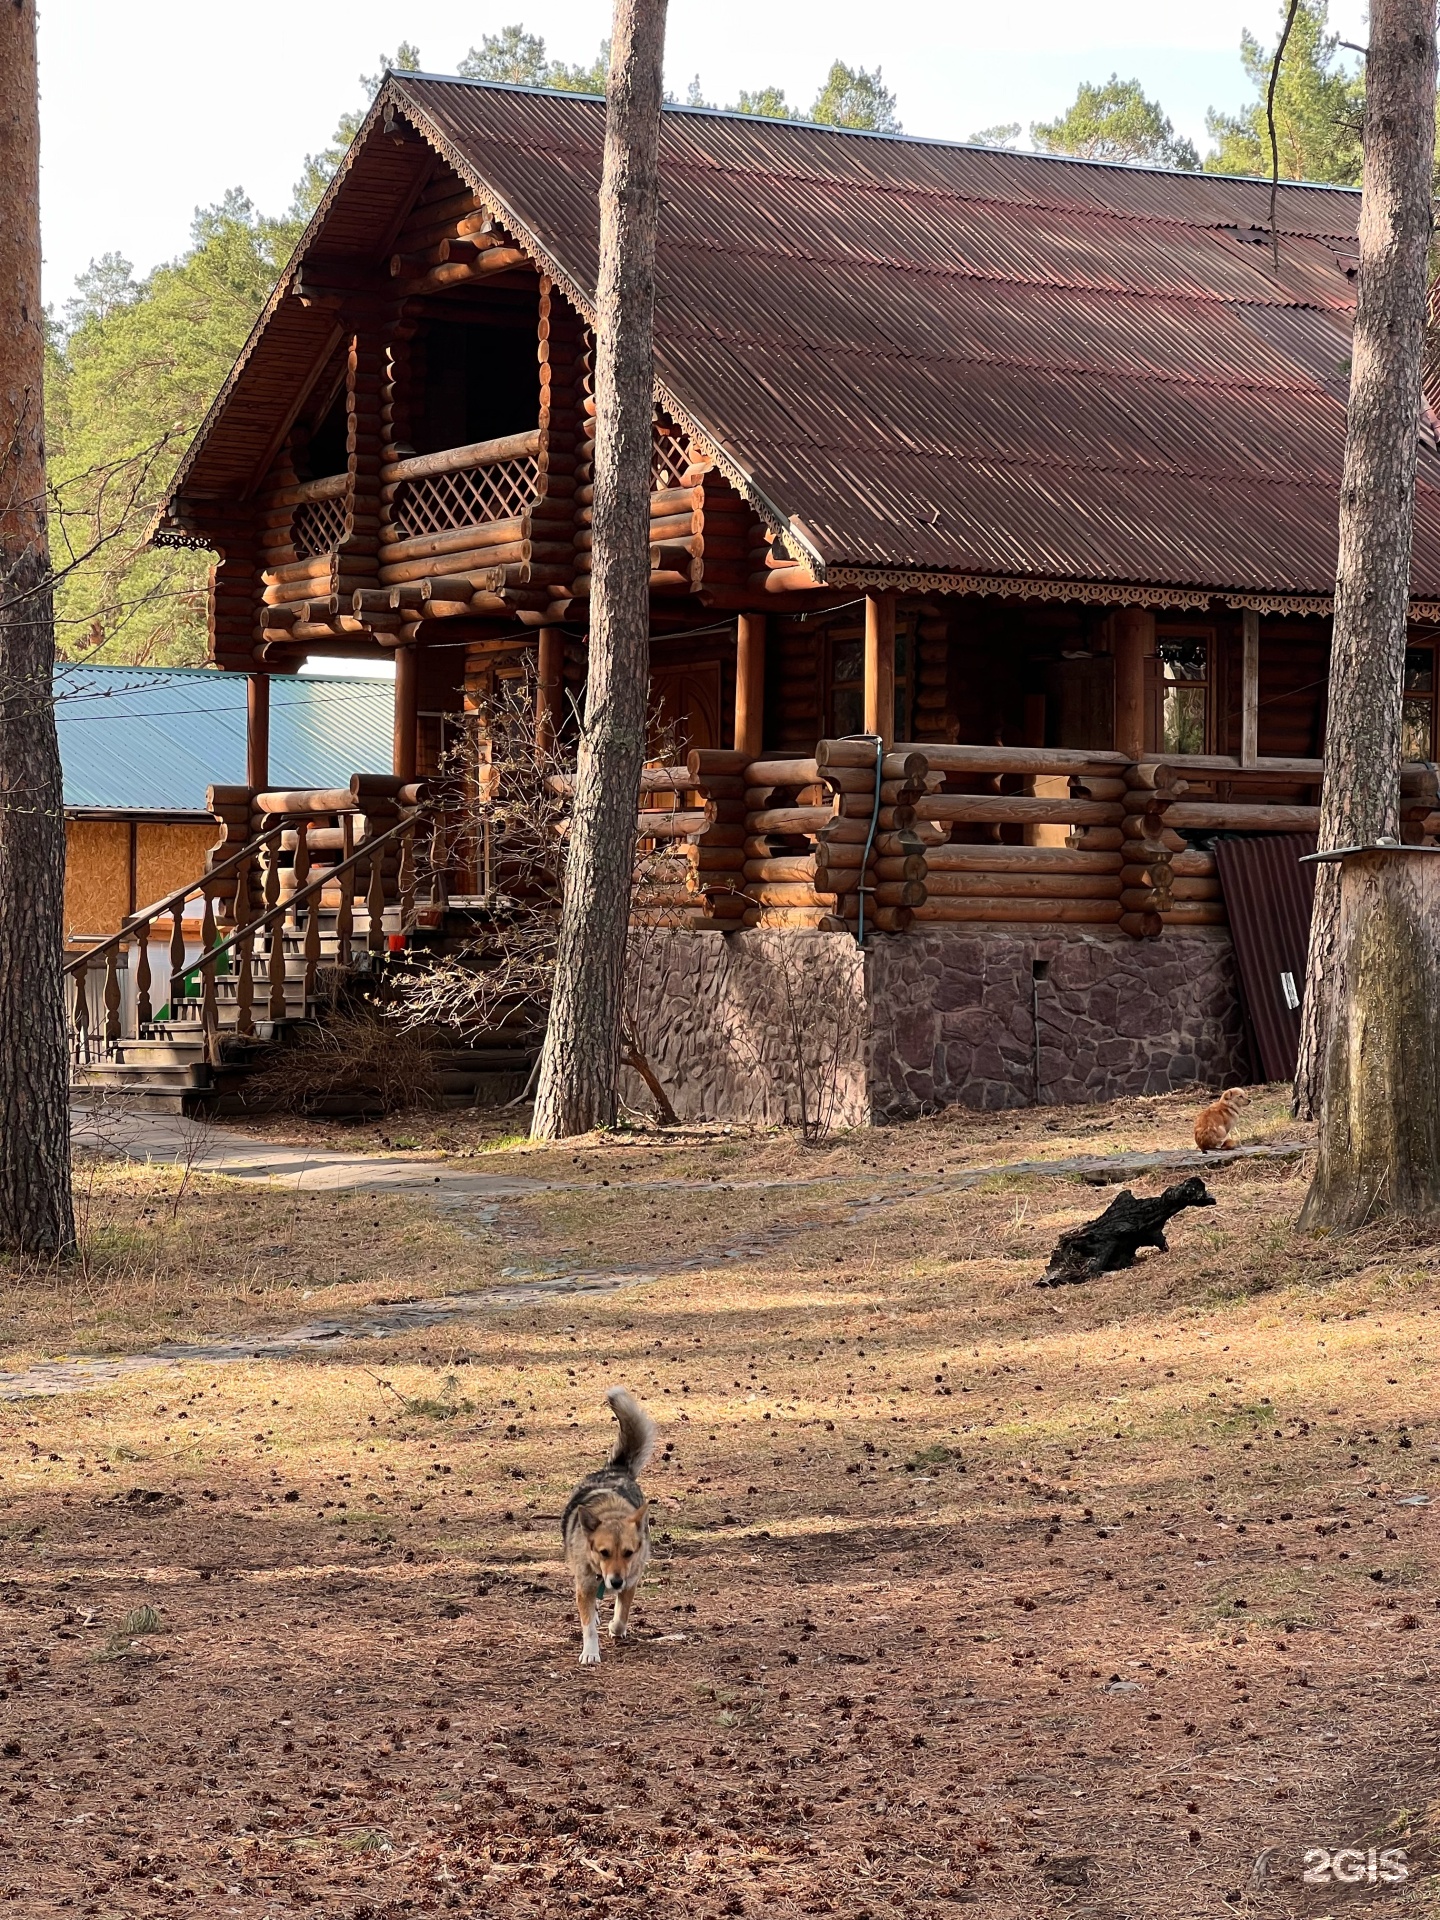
[{"x": 354, "y": 1050}]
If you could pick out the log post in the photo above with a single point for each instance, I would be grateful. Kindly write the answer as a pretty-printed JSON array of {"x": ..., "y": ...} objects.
[
  {"x": 1379, "y": 1139},
  {"x": 880, "y": 666},
  {"x": 1250, "y": 689},
  {"x": 549, "y": 690},
  {"x": 257, "y": 732},
  {"x": 407, "y": 718},
  {"x": 750, "y": 684},
  {"x": 1134, "y": 644}
]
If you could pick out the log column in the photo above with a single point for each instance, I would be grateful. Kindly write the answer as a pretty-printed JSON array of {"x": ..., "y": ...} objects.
[
  {"x": 407, "y": 714},
  {"x": 880, "y": 666},
  {"x": 1134, "y": 645},
  {"x": 549, "y": 690},
  {"x": 1250, "y": 690},
  {"x": 257, "y": 732},
  {"x": 750, "y": 684}
]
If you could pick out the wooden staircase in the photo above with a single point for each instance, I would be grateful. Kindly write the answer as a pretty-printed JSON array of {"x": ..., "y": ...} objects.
[{"x": 245, "y": 994}]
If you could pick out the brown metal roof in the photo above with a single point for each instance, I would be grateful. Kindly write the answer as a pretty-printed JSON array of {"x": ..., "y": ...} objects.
[{"x": 952, "y": 358}]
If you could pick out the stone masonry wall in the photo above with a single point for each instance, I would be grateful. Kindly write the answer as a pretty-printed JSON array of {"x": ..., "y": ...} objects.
[
  {"x": 955, "y": 1012},
  {"x": 924, "y": 1020}
]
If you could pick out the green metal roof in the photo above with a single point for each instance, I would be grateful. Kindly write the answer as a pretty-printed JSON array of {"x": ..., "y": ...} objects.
[{"x": 152, "y": 739}]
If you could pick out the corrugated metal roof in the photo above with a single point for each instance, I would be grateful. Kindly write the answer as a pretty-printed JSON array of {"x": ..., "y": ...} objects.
[
  {"x": 948, "y": 357},
  {"x": 152, "y": 739}
]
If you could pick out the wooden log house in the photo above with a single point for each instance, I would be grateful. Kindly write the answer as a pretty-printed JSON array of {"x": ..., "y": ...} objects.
[{"x": 1024, "y": 469}]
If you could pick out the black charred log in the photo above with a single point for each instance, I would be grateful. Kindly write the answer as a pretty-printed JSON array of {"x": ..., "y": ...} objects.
[{"x": 1105, "y": 1244}]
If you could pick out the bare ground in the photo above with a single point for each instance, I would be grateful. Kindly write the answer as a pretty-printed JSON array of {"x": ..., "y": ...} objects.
[{"x": 1108, "y": 1601}]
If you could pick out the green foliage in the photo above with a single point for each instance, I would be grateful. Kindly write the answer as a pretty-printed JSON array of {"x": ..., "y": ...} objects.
[
  {"x": 521, "y": 59},
  {"x": 768, "y": 102},
  {"x": 1007, "y": 135},
  {"x": 1319, "y": 101},
  {"x": 851, "y": 97},
  {"x": 1115, "y": 122},
  {"x": 133, "y": 368}
]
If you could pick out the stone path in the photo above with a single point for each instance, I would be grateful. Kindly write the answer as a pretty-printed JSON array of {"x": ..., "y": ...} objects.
[{"x": 237, "y": 1156}]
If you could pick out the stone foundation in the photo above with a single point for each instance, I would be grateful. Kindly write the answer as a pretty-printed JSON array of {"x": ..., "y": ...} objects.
[{"x": 777, "y": 1027}]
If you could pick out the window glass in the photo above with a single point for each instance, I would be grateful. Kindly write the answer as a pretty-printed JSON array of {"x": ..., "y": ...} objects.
[
  {"x": 1184, "y": 694},
  {"x": 1417, "y": 711}
]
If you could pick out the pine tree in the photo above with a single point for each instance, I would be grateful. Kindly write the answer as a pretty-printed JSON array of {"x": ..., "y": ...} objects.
[
  {"x": 1319, "y": 103},
  {"x": 1115, "y": 122}
]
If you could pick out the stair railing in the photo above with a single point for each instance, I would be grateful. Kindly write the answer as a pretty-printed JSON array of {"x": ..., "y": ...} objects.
[
  {"x": 136, "y": 930},
  {"x": 370, "y": 853}
]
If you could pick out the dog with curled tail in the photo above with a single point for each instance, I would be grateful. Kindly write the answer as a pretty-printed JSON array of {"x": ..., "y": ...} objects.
[{"x": 605, "y": 1529}]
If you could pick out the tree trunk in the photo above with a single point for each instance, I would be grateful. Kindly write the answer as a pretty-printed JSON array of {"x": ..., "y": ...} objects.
[
  {"x": 1380, "y": 1108},
  {"x": 580, "y": 1063},
  {"x": 35, "y": 1205},
  {"x": 1360, "y": 798}
]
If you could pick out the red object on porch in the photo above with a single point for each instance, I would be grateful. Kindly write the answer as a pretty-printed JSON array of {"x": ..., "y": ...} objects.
[
  {"x": 1268, "y": 897},
  {"x": 395, "y": 942}
]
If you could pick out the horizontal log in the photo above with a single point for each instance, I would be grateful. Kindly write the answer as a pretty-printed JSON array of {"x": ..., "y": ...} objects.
[
  {"x": 706, "y": 859},
  {"x": 471, "y": 560},
  {"x": 985, "y": 809},
  {"x": 1157, "y": 874},
  {"x": 708, "y": 760},
  {"x": 820, "y": 919},
  {"x": 785, "y": 893},
  {"x": 945, "y": 758},
  {"x": 790, "y": 819},
  {"x": 782, "y": 773},
  {"x": 497, "y": 260},
  {"x": 1185, "y": 887},
  {"x": 959, "y": 859},
  {"x": 306, "y": 800},
  {"x": 1219, "y": 815},
  {"x": 1193, "y": 863},
  {"x": 1095, "y": 913},
  {"x": 1094, "y": 786},
  {"x": 423, "y": 546},
  {"x": 899, "y": 893},
  {"x": 910, "y": 866},
  {"x": 1144, "y": 899},
  {"x": 797, "y": 868},
  {"x": 1196, "y": 913},
  {"x": 784, "y": 580},
  {"x": 657, "y": 825},
  {"x": 1024, "y": 886},
  {"x": 1141, "y": 926}
]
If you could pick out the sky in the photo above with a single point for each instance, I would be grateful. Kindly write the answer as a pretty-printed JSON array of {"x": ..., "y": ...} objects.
[{"x": 152, "y": 109}]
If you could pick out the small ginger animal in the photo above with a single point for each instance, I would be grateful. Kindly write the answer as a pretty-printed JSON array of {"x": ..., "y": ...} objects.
[{"x": 1213, "y": 1124}]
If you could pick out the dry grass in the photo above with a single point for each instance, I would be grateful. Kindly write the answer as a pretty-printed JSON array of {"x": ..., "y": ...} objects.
[{"x": 964, "y": 1592}]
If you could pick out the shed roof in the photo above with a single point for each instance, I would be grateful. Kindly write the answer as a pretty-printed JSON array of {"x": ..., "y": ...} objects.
[
  {"x": 923, "y": 356},
  {"x": 152, "y": 739}
]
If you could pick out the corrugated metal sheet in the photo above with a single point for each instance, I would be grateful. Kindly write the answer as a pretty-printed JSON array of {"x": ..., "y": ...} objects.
[
  {"x": 152, "y": 739},
  {"x": 940, "y": 356},
  {"x": 1268, "y": 896}
]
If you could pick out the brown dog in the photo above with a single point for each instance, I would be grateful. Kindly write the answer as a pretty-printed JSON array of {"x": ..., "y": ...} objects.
[
  {"x": 1213, "y": 1124},
  {"x": 606, "y": 1527}
]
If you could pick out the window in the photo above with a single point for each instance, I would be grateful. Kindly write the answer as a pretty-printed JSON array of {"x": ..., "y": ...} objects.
[
  {"x": 1417, "y": 712},
  {"x": 845, "y": 705},
  {"x": 1184, "y": 690}
]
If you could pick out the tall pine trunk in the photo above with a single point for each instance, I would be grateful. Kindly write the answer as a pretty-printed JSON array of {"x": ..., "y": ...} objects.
[
  {"x": 1360, "y": 800},
  {"x": 35, "y": 1206},
  {"x": 580, "y": 1064}
]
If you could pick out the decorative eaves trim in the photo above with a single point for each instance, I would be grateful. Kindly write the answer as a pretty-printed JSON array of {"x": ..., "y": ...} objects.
[{"x": 1098, "y": 592}]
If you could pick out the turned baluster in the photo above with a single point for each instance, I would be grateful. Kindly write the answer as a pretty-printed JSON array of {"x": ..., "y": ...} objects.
[
  {"x": 244, "y": 951},
  {"x": 437, "y": 862},
  {"x": 375, "y": 902},
  {"x": 275, "y": 929},
  {"x": 345, "y": 914},
  {"x": 82, "y": 1014},
  {"x": 209, "y": 999},
  {"x": 406, "y": 880},
  {"x": 143, "y": 1011},
  {"x": 312, "y": 934},
  {"x": 177, "y": 958},
  {"x": 112, "y": 998}
]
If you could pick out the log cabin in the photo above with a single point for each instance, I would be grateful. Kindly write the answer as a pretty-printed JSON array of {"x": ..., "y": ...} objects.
[{"x": 993, "y": 534}]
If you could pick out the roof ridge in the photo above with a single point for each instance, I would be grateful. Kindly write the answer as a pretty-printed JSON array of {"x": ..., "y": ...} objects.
[{"x": 898, "y": 135}]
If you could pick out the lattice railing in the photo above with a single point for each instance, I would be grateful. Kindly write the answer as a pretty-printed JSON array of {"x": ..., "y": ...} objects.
[
  {"x": 318, "y": 526},
  {"x": 670, "y": 461},
  {"x": 469, "y": 497}
]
